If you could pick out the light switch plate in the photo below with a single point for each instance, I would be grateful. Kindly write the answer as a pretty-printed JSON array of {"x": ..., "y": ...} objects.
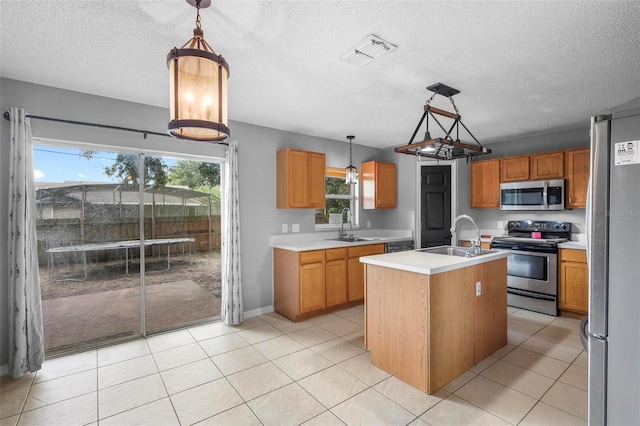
[
  {"x": 478, "y": 288},
  {"x": 500, "y": 225},
  {"x": 295, "y": 227},
  {"x": 285, "y": 228}
]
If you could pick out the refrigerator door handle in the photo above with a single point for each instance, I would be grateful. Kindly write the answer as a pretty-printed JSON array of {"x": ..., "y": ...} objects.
[{"x": 600, "y": 337}]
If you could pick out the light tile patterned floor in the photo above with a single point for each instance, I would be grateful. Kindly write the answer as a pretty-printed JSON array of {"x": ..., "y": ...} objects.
[{"x": 271, "y": 371}]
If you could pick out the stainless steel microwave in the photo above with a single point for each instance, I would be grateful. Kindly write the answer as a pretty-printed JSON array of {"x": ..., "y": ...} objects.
[{"x": 532, "y": 195}]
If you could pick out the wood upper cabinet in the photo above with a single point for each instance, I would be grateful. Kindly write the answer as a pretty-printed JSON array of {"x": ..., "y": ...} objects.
[
  {"x": 514, "y": 169},
  {"x": 484, "y": 184},
  {"x": 356, "y": 268},
  {"x": 549, "y": 165},
  {"x": 300, "y": 179},
  {"x": 336, "y": 276},
  {"x": 577, "y": 163},
  {"x": 573, "y": 281},
  {"x": 378, "y": 185}
]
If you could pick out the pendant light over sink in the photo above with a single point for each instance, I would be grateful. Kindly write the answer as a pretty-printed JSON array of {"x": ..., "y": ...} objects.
[
  {"x": 198, "y": 88},
  {"x": 446, "y": 147},
  {"x": 350, "y": 172}
]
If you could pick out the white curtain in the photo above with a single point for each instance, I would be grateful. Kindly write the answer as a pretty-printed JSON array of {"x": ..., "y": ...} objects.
[
  {"x": 26, "y": 341},
  {"x": 231, "y": 310}
]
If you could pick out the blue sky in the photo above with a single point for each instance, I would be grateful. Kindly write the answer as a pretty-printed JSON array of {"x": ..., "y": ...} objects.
[{"x": 54, "y": 164}]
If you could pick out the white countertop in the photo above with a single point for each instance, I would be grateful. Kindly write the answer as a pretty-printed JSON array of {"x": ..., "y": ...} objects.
[
  {"x": 578, "y": 245},
  {"x": 326, "y": 240},
  {"x": 329, "y": 243},
  {"x": 427, "y": 263}
]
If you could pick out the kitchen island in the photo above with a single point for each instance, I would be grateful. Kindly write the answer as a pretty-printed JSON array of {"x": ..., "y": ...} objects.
[{"x": 430, "y": 317}]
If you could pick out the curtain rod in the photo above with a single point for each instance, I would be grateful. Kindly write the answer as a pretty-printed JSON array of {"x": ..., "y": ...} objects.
[
  {"x": 84, "y": 123},
  {"x": 104, "y": 126}
]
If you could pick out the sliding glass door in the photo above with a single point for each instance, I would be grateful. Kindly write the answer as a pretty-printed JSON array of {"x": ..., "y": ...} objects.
[
  {"x": 128, "y": 244},
  {"x": 87, "y": 223},
  {"x": 182, "y": 242}
]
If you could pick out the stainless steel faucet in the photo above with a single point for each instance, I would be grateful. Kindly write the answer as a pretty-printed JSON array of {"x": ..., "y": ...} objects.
[
  {"x": 475, "y": 244},
  {"x": 343, "y": 234}
]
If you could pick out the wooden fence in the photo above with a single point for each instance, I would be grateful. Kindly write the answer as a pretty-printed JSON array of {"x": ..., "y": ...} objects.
[{"x": 51, "y": 233}]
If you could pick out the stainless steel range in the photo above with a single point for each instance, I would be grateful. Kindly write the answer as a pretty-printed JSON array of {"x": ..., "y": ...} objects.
[{"x": 532, "y": 268}]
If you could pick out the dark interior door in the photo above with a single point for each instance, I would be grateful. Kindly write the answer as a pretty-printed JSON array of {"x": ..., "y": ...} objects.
[{"x": 435, "y": 206}]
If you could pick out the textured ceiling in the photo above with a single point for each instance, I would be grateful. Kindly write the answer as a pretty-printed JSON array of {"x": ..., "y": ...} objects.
[{"x": 522, "y": 67}]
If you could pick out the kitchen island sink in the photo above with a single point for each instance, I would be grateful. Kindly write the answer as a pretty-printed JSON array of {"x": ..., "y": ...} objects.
[{"x": 455, "y": 251}]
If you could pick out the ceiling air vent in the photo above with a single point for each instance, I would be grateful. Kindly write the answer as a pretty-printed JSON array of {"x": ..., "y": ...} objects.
[{"x": 367, "y": 50}]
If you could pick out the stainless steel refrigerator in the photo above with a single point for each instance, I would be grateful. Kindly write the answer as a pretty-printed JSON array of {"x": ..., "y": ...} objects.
[{"x": 613, "y": 250}]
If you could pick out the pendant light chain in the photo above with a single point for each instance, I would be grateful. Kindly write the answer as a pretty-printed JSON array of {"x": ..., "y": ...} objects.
[
  {"x": 198, "y": 23},
  {"x": 350, "y": 153}
]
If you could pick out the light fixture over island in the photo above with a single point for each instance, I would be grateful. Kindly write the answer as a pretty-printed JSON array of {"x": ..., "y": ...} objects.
[{"x": 430, "y": 317}]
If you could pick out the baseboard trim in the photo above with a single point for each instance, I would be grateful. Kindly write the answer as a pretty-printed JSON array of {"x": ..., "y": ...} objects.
[{"x": 259, "y": 311}]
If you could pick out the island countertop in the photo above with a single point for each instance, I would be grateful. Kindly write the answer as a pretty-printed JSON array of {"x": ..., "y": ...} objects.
[{"x": 428, "y": 263}]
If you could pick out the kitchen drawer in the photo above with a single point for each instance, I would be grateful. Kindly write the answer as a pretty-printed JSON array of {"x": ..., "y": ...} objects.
[
  {"x": 367, "y": 250},
  {"x": 573, "y": 255},
  {"x": 314, "y": 256},
  {"x": 333, "y": 254}
]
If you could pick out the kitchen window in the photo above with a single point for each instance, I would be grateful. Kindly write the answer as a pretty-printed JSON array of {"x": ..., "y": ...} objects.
[{"x": 338, "y": 195}]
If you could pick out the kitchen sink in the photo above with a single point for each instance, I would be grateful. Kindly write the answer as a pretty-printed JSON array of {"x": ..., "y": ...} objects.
[
  {"x": 455, "y": 251},
  {"x": 352, "y": 239}
]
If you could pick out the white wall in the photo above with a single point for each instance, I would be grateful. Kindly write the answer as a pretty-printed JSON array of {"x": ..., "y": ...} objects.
[{"x": 257, "y": 147}]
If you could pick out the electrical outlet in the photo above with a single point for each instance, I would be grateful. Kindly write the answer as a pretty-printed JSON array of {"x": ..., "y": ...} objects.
[
  {"x": 500, "y": 225},
  {"x": 368, "y": 224},
  {"x": 285, "y": 228},
  {"x": 295, "y": 227},
  {"x": 478, "y": 288}
]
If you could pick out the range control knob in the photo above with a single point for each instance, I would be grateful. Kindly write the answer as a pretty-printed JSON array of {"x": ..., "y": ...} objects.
[
  {"x": 564, "y": 226},
  {"x": 557, "y": 226}
]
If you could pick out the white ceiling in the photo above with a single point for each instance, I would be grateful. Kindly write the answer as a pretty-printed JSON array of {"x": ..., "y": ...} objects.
[{"x": 522, "y": 67}]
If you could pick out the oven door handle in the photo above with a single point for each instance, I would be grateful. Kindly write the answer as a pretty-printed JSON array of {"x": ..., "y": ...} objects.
[
  {"x": 529, "y": 294},
  {"x": 545, "y": 194},
  {"x": 546, "y": 254}
]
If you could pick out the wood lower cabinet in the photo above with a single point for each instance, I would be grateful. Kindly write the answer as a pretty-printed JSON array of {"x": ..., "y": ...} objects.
[
  {"x": 514, "y": 169},
  {"x": 336, "y": 278},
  {"x": 378, "y": 185},
  {"x": 549, "y": 165},
  {"x": 300, "y": 179},
  {"x": 310, "y": 283},
  {"x": 573, "y": 281},
  {"x": 484, "y": 184},
  {"x": 356, "y": 268},
  {"x": 577, "y": 163}
]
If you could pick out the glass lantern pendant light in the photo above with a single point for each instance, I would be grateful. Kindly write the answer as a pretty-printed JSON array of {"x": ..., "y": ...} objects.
[
  {"x": 350, "y": 173},
  {"x": 198, "y": 88}
]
